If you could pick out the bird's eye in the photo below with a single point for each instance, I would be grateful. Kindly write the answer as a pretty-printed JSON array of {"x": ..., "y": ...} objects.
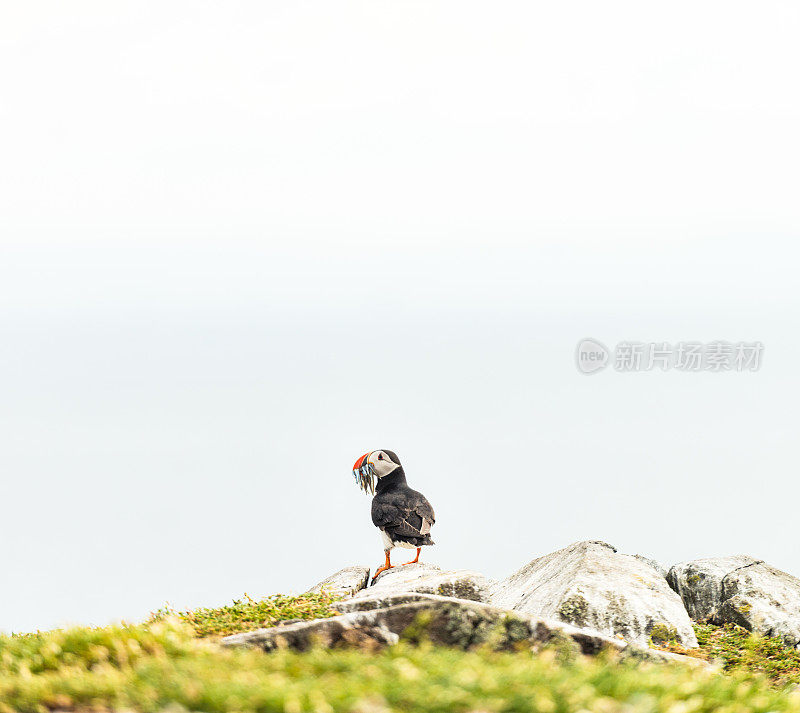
[{"x": 380, "y": 456}]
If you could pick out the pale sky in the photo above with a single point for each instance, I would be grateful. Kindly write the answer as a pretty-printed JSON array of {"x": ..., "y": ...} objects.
[{"x": 243, "y": 243}]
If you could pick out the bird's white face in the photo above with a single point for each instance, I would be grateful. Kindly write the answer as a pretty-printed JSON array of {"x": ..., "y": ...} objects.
[
  {"x": 372, "y": 466},
  {"x": 382, "y": 463}
]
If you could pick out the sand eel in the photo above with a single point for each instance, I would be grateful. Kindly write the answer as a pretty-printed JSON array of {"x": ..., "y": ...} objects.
[{"x": 403, "y": 515}]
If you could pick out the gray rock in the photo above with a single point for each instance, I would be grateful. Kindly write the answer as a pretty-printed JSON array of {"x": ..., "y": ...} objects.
[
  {"x": 699, "y": 583},
  {"x": 345, "y": 582},
  {"x": 763, "y": 599},
  {"x": 430, "y": 579},
  {"x": 590, "y": 585},
  {"x": 655, "y": 564},
  {"x": 741, "y": 590},
  {"x": 371, "y": 602},
  {"x": 441, "y": 620}
]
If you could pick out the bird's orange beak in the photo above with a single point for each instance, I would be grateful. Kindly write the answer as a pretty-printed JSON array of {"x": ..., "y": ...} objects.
[
  {"x": 360, "y": 461},
  {"x": 364, "y": 473}
]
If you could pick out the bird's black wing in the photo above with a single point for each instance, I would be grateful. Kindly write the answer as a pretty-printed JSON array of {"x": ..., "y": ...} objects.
[{"x": 406, "y": 514}]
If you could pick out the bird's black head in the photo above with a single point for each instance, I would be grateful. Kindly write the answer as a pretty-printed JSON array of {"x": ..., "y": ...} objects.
[{"x": 373, "y": 466}]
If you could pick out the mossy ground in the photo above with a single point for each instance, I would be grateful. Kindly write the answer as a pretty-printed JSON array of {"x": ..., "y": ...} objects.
[
  {"x": 737, "y": 650},
  {"x": 247, "y": 613},
  {"x": 174, "y": 663},
  {"x": 165, "y": 666}
]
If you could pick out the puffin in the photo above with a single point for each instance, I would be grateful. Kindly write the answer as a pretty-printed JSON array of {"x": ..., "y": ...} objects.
[{"x": 403, "y": 516}]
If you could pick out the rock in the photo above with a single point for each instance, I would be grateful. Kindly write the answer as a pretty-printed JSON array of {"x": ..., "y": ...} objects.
[
  {"x": 371, "y": 602},
  {"x": 699, "y": 583},
  {"x": 763, "y": 599},
  {"x": 343, "y": 630},
  {"x": 590, "y": 585},
  {"x": 741, "y": 590},
  {"x": 441, "y": 620},
  {"x": 345, "y": 582},
  {"x": 430, "y": 579},
  {"x": 657, "y": 566}
]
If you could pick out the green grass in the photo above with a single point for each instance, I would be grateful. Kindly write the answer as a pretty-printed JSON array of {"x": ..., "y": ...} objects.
[
  {"x": 740, "y": 651},
  {"x": 246, "y": 614},
  {"x": 149, "y": 667},
  {"x": 174, "y": 662}
]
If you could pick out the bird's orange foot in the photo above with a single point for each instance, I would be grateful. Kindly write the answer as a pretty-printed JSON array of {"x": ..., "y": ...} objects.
[
  {"x": 415, "y": 560},
  {"x": 381, "y": 569}
]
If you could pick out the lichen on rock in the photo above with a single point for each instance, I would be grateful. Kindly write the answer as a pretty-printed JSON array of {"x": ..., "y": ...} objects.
[{"x": 590, "y": 584}]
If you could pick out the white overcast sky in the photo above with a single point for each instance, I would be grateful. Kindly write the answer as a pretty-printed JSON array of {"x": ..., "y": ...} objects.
[{"x": 242, "y": 243}]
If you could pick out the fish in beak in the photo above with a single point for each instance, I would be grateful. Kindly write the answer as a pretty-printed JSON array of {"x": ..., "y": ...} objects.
[{"x": 364, "y": 473}]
